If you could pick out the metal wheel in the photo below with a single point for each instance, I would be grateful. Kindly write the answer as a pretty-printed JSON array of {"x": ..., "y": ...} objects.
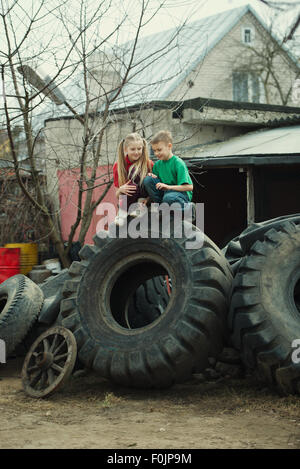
[{"x": 49, "y": 362}]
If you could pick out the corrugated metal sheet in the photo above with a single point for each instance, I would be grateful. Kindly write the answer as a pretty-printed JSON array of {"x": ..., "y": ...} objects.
[{"x": 281, "y": 141}]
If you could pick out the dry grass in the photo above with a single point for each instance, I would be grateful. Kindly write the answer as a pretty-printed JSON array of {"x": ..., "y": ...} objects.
[{"x": 226, "y": 396}]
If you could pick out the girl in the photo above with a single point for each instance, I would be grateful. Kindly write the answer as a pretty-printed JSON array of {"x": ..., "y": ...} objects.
[{"x": 129, "y": 172}]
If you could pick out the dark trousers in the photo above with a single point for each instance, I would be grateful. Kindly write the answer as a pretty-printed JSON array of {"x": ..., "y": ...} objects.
[{"x": 160, "y": 196}]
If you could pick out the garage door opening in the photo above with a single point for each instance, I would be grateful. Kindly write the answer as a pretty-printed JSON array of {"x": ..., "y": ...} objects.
[{"x": 224, "y": 194}]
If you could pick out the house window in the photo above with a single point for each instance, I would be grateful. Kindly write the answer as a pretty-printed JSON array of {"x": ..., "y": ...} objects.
[
  {"x": 247, "y": 35},
  {"x": 246, "y": 87}
]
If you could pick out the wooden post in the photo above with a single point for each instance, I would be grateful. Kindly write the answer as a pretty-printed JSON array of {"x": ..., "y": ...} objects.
[{"x": 250, "y": 197}]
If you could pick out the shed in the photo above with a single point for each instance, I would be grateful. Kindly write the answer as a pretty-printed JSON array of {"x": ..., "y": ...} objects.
[{"x": 253, "y": 177}]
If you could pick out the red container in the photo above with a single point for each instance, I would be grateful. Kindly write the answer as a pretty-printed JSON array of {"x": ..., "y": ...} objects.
[{"x": 9, "y": 262}]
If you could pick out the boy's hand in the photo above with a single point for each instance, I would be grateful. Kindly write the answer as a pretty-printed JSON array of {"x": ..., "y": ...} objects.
[
  {"x": 162, "y": 186},
  {"x": 152, "y": 175}
]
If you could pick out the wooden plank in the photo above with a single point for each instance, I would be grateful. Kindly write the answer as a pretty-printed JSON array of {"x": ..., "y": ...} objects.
[{"x": 250, "y": 196}]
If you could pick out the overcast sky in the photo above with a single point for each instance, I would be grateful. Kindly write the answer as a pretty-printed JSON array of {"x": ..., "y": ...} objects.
[
  {"x": 172, "y": 14},
  {"x": 202, "y": 8},
  {"x": 179, "y": 9}
]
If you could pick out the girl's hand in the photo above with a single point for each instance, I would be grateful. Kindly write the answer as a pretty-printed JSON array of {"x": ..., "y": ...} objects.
[
  {"x": 127, "y": 188},
  {"x": 162, "y": 186},
  {"x": 152, "y": 175}
]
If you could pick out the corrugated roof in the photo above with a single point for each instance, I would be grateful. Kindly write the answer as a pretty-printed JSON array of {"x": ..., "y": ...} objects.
[{"x": 281, "y": 141}]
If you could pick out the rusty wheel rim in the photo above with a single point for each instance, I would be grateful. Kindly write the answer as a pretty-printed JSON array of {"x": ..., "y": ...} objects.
[{"x": 49, "y": 362}]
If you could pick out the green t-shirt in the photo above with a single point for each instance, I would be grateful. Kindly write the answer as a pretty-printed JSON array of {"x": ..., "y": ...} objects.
[{"x": 173, "y": 172}]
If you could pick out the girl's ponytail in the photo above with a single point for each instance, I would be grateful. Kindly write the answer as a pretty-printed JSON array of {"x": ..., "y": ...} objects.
[{"x": 122, "y": 176}]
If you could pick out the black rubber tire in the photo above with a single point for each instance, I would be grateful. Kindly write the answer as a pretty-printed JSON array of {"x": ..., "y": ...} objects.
[
  {"x": 53, "y": 284},
  {"x": 52, "y": 289},
  {"x": 256, "y": 231},
  {"x": 233, "y": 253},
  {"x": 147, "y": 303},
  {"x": 49, "y": 314},
  {"x": 20, "y": 303},
  {"x": 265, "y": 307},
  {"x": 239, "y": 246},
  {"x": 179, "y": 341}
]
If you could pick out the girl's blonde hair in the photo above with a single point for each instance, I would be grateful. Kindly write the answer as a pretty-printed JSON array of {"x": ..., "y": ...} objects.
[{"x": 141, "y": 167}]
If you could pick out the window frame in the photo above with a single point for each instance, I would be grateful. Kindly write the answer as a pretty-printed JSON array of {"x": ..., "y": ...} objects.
[
  {"x": 252, "y": 35},
  {"x": 247, "y": 80}
]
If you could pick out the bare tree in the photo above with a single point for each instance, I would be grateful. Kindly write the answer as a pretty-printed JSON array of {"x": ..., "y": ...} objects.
[
  {"x": 268, "y": 62},
  {"x": 19, "y": 221},
  {"x": 96, "y": 64},
  {"x": 264, "y": 68},
  {"x": 283, "y": 7}
]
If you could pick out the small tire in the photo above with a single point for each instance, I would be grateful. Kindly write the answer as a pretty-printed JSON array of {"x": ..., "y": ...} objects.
[
  {"x": 264, "y": 315},
  {"x": 191, "y": 329},
  {"x": 20, "y": 303}
]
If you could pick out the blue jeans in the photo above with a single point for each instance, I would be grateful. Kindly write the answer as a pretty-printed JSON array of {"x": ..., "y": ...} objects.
[{"x": 160, "y": 196}]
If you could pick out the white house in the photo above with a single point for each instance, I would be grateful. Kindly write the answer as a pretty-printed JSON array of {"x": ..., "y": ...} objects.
[{"x": 205, "y": 83}]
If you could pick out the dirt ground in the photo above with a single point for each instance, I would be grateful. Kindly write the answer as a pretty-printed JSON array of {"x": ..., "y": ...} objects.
[{"x": 90, "y": 412}]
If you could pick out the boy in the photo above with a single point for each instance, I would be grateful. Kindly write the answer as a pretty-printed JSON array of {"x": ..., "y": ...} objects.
[{"x": 169, "y": 181}]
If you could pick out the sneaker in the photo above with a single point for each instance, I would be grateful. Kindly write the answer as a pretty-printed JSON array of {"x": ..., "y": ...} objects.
[
  {"x": 193, "y": 211},
  {"x": 119, "y": 221},
  {"x": 135, "y": 213},
  {"x": 154, "y": 208},
  {"x": 121, "y": 218},
  {"x": 140, "y": 210}
]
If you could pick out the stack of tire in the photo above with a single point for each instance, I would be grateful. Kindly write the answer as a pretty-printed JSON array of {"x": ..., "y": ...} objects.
[
  {"x": 145, "y": 312},
  {"x": 150, "y": 311},
  {"x": 110, "y": 304},
  {"x": 264, "y": 315},
  {"x": 28, "y": 309}
]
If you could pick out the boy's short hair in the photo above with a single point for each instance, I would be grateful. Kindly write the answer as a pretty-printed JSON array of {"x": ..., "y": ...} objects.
[{"x": 162, "y": 136}]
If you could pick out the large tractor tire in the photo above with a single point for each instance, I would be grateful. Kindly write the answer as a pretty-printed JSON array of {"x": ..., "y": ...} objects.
[
  {"x": 265, "y": 307},
  {"x": 179, "y": 341},
  {"x": 20, "y": 303}
]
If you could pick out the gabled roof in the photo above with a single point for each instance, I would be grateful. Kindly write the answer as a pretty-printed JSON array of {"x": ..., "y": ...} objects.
[
  {"x": 175, "y": 53},
  {"x": 163, "y": 60}
]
